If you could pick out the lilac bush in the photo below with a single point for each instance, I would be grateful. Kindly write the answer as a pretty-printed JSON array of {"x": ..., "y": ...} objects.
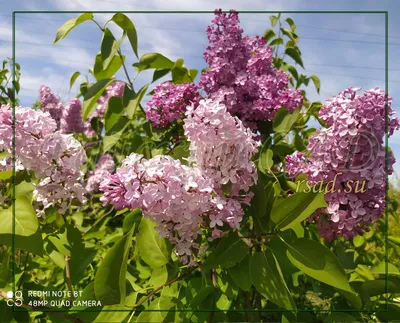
[{"x": 184, "y": 203}]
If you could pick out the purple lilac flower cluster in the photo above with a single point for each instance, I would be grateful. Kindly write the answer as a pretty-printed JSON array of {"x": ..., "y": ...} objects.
[
  {"x": 69, "y": 117},
  {"x": 180, "y": 198},
  {"x": 169, "y": 102},
  {"x": 54, "y": 157},
  {"x": 71, "y": 121},
  {"x": 241, "y": 74},
  {"x": 349, "y": 151}
]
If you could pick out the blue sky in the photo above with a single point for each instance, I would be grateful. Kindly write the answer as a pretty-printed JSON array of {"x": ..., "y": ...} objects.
[{"x": 342, "y": 49}]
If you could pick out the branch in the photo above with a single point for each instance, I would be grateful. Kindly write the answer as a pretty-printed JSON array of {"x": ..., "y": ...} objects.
[
  {"x": 245, "y": 240},
  {"x": 68, "y": 277},
  {"x": 125, "y": 70}
]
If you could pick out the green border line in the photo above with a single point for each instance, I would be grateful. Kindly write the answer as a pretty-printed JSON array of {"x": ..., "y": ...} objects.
[
  {"x": 386, "y": 13},
  {"x": 386, "y": 156},
  {"x": 14, "y": 271}
]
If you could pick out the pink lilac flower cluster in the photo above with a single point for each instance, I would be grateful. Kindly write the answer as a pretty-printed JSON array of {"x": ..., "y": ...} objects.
[
  {"x": 350, "y": 149},
  {"x": 54, "y": 157},
  {"x": 169, "y": 102},
  {"x": 173, "y": 195},
  {"x": 184, "y": 199},
  {"x": 241, "y": 74},
  {"x": 51, "y": 104},
  {"x": 222, "y": 148},
  {"x": 104, "y": 166}
]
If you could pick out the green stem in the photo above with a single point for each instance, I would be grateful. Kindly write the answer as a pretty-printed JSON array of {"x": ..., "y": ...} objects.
[{"x": 125, "y": 69}]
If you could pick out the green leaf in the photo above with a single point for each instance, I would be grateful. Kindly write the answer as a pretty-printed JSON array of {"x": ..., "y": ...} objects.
[
  {"x": 388, "y": 312},
  {"x": 273, "y": 20},
  {"x": 299, "y": 143},
  {"x": 265, "y": 162},
  {"x": 293, "y": 71},
  {"x": 318, "y": 262},
  {"x": 296, "y": 208},
  {"x": 314, "y": 108},
  {"x": 27, "y": 234},
  {"x": 290, "y": 44},
  {"x": 63, "y": 31},
  {"x": 83, "y": 88},
  {"x": 200, "y": 296},
  {"x": 110, "y": 278},
  {"x": 4, "y": 154},
  {"x": 132, "y": 102},
  {"x": 316, "y": 81},
  {"x": 73, "y": 79},
  {"x": 339, "y": 317},
  {"x": 229, "y": 251},
  {"x": 276, "y": 41},
  {"x": 395, "y": 240},
  {"x": 381, "y": 268},
  {"x": 131, "y": 219},
  {"x": 240, "y": 274},
  {"x": 261, "y": 205},
  {"x": 157, "y": 311},
  {"x": 377, "y": 287},
  {"x": 159, "y": 74},
  {"x": 26, "y": 221},
  {"x": 111, "y": 137},
  {"x": 92, "y": 95},
  {"x": 291, "y": 24},
  {"x": 129, "y": 28},
  {"x": 180, "y": 75},
  {"x": 282, "y": 149},
  {"x": 114, "y": 112},
  {"x": 159, "y": 276},
  {"x": 5, "y": 270},
  {"x": 112, "y": 314},
  {"x": 69, "y": 242},
  {"x": 293, "y": 37},
  {"x": 32, "y": 243},
  {"x": 153, "y": 250},
  {"x": 295, "y": 54},
  {"x": 109, "y": 47},
  {"x": 269, "y": 33},
  {"x": 112, "y": 68},
  {"x": 268, "y": 280},
  {"x": 193, "y": 73},
  {"x": 358, "y": 241},
  {"x": 181, "y": 151},
  {"x": 6, "y": 174},
  {"x": 154, "y": 60},
  {"x": 81, "y": 256},
  {"x": 284, "y": 121}
]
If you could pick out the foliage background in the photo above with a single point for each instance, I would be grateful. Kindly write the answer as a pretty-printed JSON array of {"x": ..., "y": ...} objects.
[{"x": 371, "y": 248}]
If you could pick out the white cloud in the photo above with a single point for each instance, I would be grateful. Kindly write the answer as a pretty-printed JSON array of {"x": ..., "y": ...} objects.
[{"x": 30, "y": 83}]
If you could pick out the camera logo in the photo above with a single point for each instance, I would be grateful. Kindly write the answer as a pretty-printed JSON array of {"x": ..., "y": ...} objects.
[{"x": 14, "y": 298}]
